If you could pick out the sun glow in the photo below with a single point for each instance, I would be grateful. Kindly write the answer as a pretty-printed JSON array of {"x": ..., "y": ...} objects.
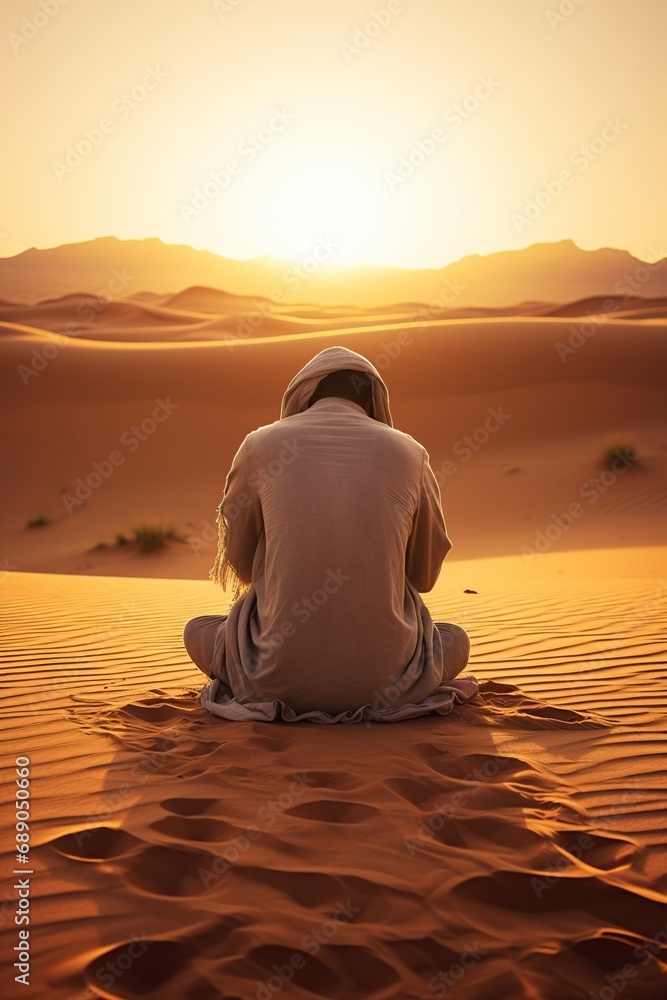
[{"x": 320, "y": 203}]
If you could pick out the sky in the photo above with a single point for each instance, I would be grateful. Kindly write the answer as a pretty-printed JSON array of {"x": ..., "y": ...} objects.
[{"x": 403, "y": 132}]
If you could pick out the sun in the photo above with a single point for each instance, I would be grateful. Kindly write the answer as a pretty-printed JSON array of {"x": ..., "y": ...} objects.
[{"x": 330, "y": 202}]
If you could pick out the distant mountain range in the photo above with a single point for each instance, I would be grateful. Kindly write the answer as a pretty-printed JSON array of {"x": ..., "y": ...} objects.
[{"x": 543, "y": 273}]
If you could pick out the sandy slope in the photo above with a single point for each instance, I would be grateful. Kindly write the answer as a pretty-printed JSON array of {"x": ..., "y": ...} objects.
[
  {"x": 508, "y": 480},
  {"x": 550, "y": 272},
  {"x": 209, "y": 314},
  {"x": 520, "y": 840},
  {"x": 529, "y": 827}
]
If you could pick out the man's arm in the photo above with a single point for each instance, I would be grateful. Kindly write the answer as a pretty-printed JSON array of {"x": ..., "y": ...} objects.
[
  {"x": 242, "y": 511},
  {"x": 428, "y": 543}
]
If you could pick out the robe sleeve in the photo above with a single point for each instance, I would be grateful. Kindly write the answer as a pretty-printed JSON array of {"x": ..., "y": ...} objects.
[
  {"x": 242, "y": 511},
  {"x": 428, "y": 543}
]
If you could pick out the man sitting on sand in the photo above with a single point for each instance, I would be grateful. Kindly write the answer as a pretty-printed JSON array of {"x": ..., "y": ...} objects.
[{"x": 330, "y": 526}]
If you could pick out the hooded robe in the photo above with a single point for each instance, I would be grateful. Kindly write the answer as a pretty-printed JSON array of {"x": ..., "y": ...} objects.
[{"x": 330, "y": 527}]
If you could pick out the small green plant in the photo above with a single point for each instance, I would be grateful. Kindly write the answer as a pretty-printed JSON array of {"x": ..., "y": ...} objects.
[
  {"x": 153, "y": 537},
  {"x": 122, "y": 539},
  {"x": 38, "y": 522},
  {"x": 620, "y": 451}
]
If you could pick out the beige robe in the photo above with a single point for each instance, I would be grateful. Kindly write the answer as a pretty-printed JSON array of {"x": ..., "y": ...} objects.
[{"x": 333, "y": 518}]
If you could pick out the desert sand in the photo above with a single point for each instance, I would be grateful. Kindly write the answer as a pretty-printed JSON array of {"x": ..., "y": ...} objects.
[{"x": 515, "y": 849}]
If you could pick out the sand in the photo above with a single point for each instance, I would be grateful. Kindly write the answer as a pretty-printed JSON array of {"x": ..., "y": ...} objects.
[
  {"x": 524, "y": 833},
  {"x": 74, "y": 401},
  {"x": 515, "y": 849}
]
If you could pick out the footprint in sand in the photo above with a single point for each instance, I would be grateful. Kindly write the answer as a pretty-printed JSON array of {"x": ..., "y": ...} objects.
[
  {"x": 101, "y": 843},
  {"x": 486, "y": 768},
  {"x": 354, "y": 973},
  {"x": 333, "y": 811},
  {"x": 163, "y": 870},
  {"x": 428, "y": 794},
  {"x": 520, "y": 710},
  {"x": 531, "y": 893},
  {"x": 195, "y": 828},
  {"x": 308, "y": 889},
  {"x": 189, "y": 807},
  {"x": 611, "y": 953},
  {"x": 142, "y": 967}
]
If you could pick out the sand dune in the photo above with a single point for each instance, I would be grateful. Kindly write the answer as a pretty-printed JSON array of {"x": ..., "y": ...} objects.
[
  {"x": 611, "y": 307},
  {"x": 560, "y": 397},
  {"x": 515, "y": 849},
  {"x": 199, "y": 314},
  {"x": 204, "y": 314},
  {"x": 520, "y": 840},
  {"x": 549, "y": 272}
]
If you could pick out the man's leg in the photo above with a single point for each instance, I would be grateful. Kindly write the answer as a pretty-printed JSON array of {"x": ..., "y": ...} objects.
[
  {"x": 455, "y": 648},
  {"x": 199, "y": 640}
]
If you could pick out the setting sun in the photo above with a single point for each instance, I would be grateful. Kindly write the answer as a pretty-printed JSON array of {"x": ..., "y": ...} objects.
[{"x": 321, "y": 199}]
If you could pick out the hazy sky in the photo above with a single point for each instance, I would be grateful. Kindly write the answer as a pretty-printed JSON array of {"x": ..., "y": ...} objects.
[{"x": 409, "y": 133}]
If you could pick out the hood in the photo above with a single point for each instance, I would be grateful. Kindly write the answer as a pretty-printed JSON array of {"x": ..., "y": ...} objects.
[{"x": 334, "y": 359}]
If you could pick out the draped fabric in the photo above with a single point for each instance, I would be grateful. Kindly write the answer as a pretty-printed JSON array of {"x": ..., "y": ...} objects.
[{"x": 331, "y": 525}]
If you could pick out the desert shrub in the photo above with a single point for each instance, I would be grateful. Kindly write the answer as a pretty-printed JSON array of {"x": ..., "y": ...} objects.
[
  {"x": 152, "y": 537},
  {"x": 623, "y": 450},
  {"x": 38, "y": 522}
]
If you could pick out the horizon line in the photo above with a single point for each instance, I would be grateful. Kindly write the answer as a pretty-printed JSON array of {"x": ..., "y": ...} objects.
[{"x": 331, "y": 266}]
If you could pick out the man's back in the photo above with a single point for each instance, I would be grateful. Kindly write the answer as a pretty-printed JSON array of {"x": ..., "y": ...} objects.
[
  {"x": 327, "y": 511},
  {"x": 330, "y": 527}
]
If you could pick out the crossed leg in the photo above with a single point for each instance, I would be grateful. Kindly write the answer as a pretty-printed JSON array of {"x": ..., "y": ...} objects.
[
  {"x": 456, "y": 648},
  {"x": 199, "y": 640}
]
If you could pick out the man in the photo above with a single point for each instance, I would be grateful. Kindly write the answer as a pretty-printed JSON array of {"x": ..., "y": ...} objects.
[{"x": 330, "y": 526}]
